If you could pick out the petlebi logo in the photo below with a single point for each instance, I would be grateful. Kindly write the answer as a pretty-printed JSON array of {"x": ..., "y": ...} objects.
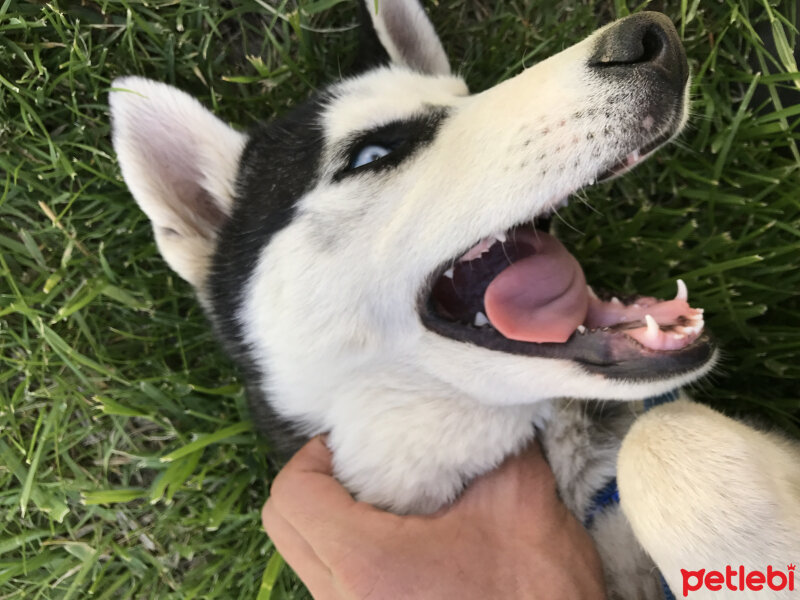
[{"x": 739, "y": 579}]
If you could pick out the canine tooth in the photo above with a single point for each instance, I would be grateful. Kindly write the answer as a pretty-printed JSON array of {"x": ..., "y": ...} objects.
[
  {"x": 581, "y": 329},
  {"x": 652, "y": 326},
  {"x": 616, "y": 300},
  {"x": 449, "y": 273},
  {"x": 591, "y": 292},
  {"x": 633, "y": 157},
  {"x": 683, "y": 292},
  {"x": 500, "y": 237},
  {"x": 481, "y": 320}
]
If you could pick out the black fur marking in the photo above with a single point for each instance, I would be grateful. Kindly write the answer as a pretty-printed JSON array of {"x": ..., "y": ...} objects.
[
  {"x": 371, "y": 53},
  {"x": 402, "y": 138},
  {"x": 278, "y": 166}
]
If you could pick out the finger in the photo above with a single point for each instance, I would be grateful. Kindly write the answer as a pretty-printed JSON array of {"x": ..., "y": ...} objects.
[
  {"x": 308, "y": 497},
  {"x": 297, "y": 553}
]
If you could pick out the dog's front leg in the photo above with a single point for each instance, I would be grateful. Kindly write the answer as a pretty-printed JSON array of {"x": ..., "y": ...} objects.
[{"x": 703, "y": 491}]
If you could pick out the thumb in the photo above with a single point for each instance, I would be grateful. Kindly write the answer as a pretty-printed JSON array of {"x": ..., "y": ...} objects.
[{"x": 305, "y": 492}]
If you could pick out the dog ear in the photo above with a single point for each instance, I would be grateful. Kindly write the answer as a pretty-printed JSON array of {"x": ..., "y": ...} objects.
[
  {"x": 408, "y": 36},
  {"x": 180, "y": 163}
]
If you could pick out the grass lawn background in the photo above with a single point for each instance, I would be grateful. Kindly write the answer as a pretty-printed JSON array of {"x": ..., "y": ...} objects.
[{"x": 128, "y": 468}]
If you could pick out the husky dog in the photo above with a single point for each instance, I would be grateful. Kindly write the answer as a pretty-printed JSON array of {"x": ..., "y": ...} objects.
[{"x": 377, "y": 261}]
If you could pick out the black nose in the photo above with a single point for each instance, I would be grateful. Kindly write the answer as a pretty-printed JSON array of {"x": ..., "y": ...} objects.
[{"x": 646, "y": 39}]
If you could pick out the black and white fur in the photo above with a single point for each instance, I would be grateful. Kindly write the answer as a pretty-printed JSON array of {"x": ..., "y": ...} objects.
[{"x": 311, "y": 270}]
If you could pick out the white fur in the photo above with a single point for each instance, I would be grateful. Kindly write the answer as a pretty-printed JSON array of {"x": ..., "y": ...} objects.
[
  {"x": 383, "y": 235},
  {"x": 704, "y": 491}
]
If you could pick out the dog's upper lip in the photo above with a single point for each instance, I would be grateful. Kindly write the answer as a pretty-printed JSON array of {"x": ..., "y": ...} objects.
[{"x": 634, "y": 157}]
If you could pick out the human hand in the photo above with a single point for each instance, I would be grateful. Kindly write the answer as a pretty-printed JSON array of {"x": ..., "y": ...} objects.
[{"x": 508, "y": 536}]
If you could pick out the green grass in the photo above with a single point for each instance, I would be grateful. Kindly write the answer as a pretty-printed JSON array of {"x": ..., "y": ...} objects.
[{"x": 128, "y": 468}]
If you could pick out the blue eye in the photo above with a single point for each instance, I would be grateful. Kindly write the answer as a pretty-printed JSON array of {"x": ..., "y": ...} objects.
[{"x": 368, "y": 154}]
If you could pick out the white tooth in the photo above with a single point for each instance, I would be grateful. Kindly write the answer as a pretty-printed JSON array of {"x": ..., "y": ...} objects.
[
  {"x": 449, "y": 273},
  {"x": 481, "y": 320},
  {"x": 591, "y": 292},
  {"x": 592, "y": 181},
  {"x": 683, "y": 292},
  {"x": 500, "y": 237},
  {"x": 652, "y": 326},
  {"x": 581, "y": 329},
  {"x": 615, "y": 300},
  {"x": 695, "y": 328}
]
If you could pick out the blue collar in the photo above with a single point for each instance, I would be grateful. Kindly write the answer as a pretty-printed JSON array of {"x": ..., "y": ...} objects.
[{"x": 608, "y": 495}]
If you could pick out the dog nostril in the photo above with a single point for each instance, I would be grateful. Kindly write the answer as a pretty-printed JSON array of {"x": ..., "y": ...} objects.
[
  {"x": 644, "y": 40},
  {"x": 652, "y": 45},
  {"x": 631, "y": 45}
]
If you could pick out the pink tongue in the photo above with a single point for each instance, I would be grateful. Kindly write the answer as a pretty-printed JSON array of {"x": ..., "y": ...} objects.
[{"x": 542, "y": 298}]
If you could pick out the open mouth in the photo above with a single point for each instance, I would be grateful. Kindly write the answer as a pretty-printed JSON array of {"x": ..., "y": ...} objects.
[{"x": 522, "y": 292}]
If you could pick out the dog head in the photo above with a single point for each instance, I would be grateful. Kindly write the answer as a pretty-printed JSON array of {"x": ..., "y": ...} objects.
[{"x": 388, "y": 233}]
